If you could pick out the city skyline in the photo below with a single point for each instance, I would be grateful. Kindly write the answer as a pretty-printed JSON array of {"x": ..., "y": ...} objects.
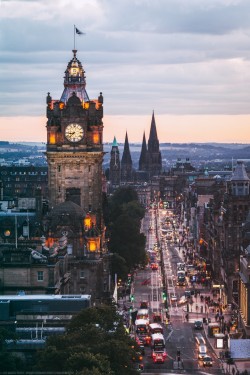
[{"x": 189, "y": 63}]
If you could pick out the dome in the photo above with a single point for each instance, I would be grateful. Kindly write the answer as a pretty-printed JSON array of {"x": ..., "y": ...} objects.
[
  {"x": 67, "y": 214},
  {"x": 74, "y": 81}
]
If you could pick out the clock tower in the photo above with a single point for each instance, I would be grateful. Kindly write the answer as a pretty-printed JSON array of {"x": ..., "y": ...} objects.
[{"x": 75, "y": 144}]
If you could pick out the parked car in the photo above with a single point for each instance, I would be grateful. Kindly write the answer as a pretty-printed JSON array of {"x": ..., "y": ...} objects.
[
  {"x": 207, "y": 361},
  {"x": 198, "y": 324},
  {"x": 182, "y": 301}
]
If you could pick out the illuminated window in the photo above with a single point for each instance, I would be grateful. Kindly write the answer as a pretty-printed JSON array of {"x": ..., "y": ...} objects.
[
  {"x": 92, "y": 245},
  {"x": 52, "y": 138},
  {"x": 87, "y": 222},
  {"x": 96, "y": 138}
]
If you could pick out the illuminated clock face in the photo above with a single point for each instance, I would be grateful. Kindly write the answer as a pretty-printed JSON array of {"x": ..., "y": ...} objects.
[{"x": 74, "y": 132}]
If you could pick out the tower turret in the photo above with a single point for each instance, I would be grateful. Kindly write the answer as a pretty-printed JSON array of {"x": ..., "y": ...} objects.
[
  {"x": 114, "y": 166},
  {"x": 126, "y": 163},
  {"x": 143, "y": 160}
]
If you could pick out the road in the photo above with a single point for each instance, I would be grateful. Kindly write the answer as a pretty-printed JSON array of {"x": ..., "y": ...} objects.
[{"x": 149, "y": 285}]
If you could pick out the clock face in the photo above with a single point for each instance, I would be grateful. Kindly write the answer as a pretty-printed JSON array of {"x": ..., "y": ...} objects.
[{"x": 74, "y": 132}]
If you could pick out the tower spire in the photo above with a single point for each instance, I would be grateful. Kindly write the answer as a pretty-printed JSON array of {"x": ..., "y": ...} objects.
[
  {"x": 126, "y": 162},
  {"x": 143, "y": 160},
  {"x": 154, "y": 154}
]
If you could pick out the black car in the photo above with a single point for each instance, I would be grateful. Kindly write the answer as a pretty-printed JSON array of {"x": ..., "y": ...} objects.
[
  {"x": 198, "y": 324},
  {"x": 207, "y": 361}
]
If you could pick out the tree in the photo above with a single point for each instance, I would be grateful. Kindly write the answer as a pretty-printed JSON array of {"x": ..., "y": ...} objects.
[
  {"x": 9, "y": 361},
  {"x": 123, "y": 226},
  {"x": 95, "y": 342}
]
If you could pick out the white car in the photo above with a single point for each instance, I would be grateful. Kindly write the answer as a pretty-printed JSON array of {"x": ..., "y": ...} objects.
[{"x": 182, "y": 301}]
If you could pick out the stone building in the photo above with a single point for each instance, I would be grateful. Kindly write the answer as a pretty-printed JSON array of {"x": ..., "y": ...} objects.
[{"x": 75, "y": 154}]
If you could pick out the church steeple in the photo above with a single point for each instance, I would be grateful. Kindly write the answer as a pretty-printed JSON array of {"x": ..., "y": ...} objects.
[
  {"x": 126, "y": 162},
  {"x": 114, "y": 166},
  {"x": 154, "y": 154},
  {"x": 153, "y": 143},
  {"x": 143, "y": 160}
]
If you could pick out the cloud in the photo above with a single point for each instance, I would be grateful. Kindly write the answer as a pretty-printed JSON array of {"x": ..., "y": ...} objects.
[{"x": 175, "y": 56}]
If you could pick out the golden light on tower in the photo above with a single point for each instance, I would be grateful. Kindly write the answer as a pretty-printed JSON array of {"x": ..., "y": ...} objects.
[
  {"x": 96, "y": 138},
  {"x": 52, "y": 138},
  {"x": 87, "y": 222},
  {"x": 93, "y": 241}
]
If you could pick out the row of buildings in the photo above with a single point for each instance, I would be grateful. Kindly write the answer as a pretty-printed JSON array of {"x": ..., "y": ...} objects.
[{"x": 216, "y": 213}]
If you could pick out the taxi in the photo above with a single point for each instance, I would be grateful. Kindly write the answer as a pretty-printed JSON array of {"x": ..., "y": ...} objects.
[{"x": 154, "y": 266}]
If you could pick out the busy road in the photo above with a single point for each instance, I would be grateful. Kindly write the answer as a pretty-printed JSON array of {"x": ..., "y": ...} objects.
[{"x": 160, "y": 289}]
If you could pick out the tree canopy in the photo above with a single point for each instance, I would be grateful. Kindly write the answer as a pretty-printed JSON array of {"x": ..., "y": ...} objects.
[
  {"x": 124, "y": 222},
  {"x": 95, "y": 342}
]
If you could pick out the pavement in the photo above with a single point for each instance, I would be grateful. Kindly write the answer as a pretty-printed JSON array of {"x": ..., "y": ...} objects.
[{"x": 199, "y": 310}]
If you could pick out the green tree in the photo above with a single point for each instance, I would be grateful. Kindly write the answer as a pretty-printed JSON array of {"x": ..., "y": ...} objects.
[
  {"x": 95, "y": 342},
  {"x": 125, "y": 239},
  {"x": 9, "y": 361}
]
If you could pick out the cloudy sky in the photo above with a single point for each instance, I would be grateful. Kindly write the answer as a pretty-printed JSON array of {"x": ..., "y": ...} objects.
[{"x": 188, "y": 60}]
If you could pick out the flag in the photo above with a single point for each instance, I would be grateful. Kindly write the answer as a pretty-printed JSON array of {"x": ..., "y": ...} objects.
[{"x": 79, "y": 32}]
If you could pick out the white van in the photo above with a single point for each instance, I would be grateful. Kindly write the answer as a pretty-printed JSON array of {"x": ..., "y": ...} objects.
[
  {"x": 199, "y": 338},
  {"x": 202, "y": 351}
]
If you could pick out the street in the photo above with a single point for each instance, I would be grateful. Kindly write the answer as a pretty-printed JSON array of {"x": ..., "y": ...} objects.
[{"x": 157, "y": 286}]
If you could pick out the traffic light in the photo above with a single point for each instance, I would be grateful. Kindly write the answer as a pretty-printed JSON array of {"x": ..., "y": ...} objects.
[
  {"x": 178, "y": 355},
  {"x": 132, "y": 298},
  {"x": 129, "y": 279},
  {"x": 164, "y": 296}
]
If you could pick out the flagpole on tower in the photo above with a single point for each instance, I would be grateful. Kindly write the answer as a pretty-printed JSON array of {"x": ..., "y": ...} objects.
[
  {"x": 78, "y": 32},
  {"x": 74, "y": 37}
]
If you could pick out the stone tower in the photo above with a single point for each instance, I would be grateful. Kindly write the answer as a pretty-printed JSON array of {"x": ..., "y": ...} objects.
[
  {"x": 75, "y": 144},
  {"x": 75, "y": 182},
  {"x": 126, "y": 163},
  {"x": 115, "y": 166}
]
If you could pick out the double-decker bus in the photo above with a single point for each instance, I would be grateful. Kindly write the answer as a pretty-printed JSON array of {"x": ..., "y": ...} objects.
[
  {"x": 141, "y": 326},
  {"x": 158, "y": 348},
  {"x": 155, "y": 328},
  {"x": 142, "y": 314},
  {"x": 157, "y": 342}
]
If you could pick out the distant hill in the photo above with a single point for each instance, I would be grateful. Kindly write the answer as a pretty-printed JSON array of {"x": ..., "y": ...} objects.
[{"x": 211, "y": 155}]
